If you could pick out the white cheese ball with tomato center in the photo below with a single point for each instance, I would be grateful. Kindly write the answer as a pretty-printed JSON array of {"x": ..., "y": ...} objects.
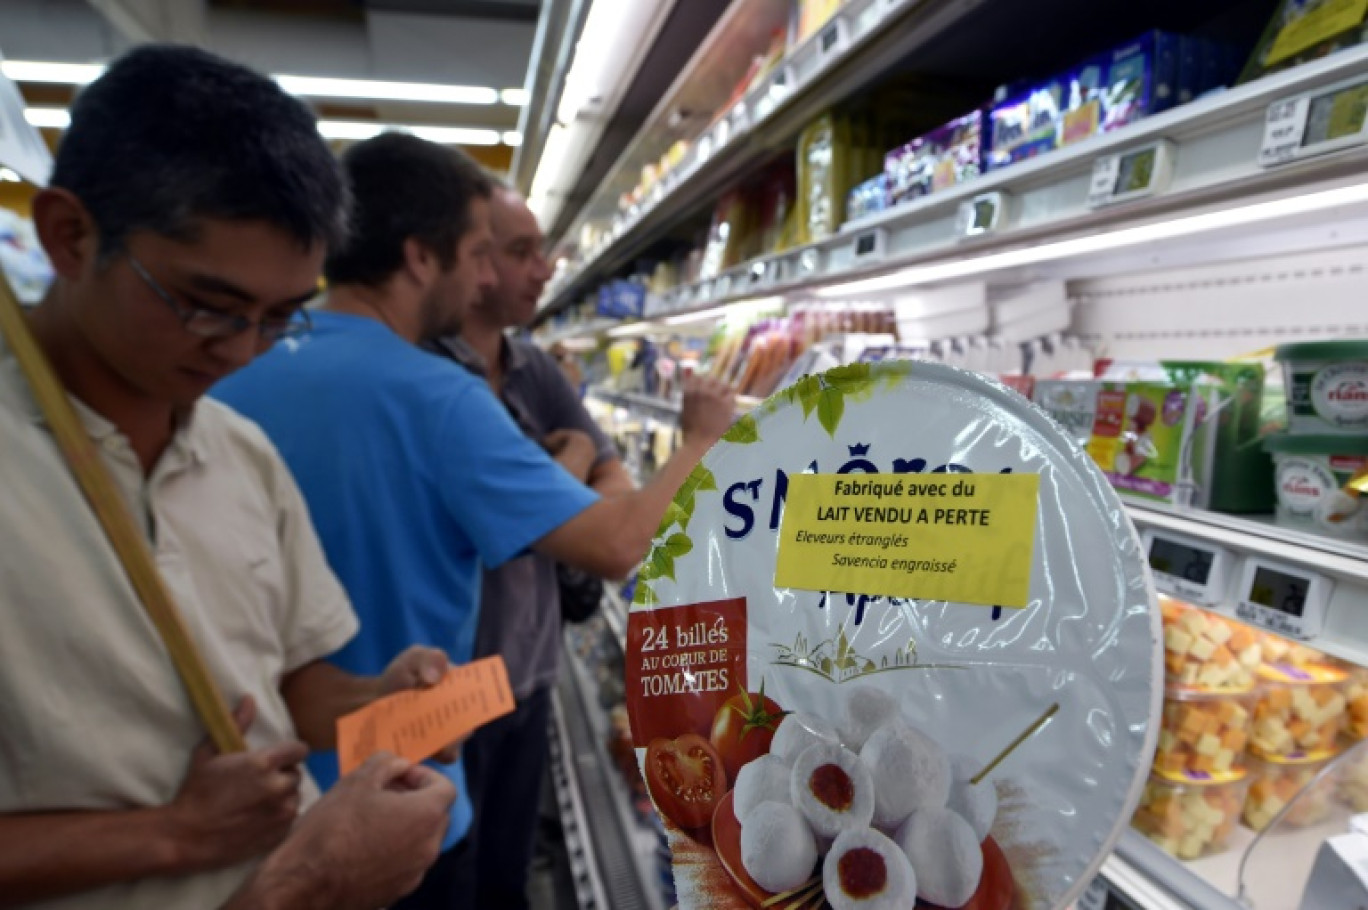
[
  {"x": 910, "y": 772},
  {"x": 868, "y": 710},
  {"x": 946, "y": 854},
  {"x": 864, "y": 870},
  {"x": 767, "y": 779},
  {"x": 777, "y": 847},
  {"x": 833, "y": 789}
]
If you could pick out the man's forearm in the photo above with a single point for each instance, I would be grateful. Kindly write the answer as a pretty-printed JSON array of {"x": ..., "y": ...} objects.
[
  {"x": 53, "y": 854},
  {"x": 285, "y": 882},
  {"x": 318, "y": 694}
]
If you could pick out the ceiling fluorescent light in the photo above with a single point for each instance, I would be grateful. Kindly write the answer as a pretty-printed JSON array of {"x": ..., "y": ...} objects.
[
  {"x": 52, "y": 117},
  {"x": 308, "y": 86},
  {"x": 445, "y": 135},
  {"x": 1103, "y": 242},
  {"x": 514, "y": 97},
  {"x": 373, "y": 90},
  {"x": 51, "y": 73}
]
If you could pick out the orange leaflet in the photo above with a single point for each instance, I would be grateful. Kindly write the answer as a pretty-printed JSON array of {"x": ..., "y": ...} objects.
[{"x": 419, "y": 723}]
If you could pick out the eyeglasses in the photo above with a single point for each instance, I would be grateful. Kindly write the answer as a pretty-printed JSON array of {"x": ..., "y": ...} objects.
[{"x": 208, "y": 323}]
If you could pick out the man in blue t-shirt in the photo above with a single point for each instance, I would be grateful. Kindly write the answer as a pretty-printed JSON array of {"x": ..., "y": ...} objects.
[{"x": 414, "y": 473}]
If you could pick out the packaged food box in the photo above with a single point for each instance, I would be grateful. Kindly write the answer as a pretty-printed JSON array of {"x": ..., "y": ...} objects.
[
  {"x": 1241, "y": 470},
  {"x": 1191, "y": 815},
  {"x": 1300, "y": 710},
  {"x": 823, "y": 177},
  {"x": 1305, "y": 30},
  {"x": 1327, "y": 386},
  {"x": 1102, "y": 94},
  {"x": 867, "y": 198},
  {"x": 1276, "y": 781},
  {"x": 1071, "y": 402},
  {"x": 1208, "y": 653},
  {"x": 1204, "y": 732},
  {"x": 1151, "y": 439},
  {"x": 946, "y": 156}
]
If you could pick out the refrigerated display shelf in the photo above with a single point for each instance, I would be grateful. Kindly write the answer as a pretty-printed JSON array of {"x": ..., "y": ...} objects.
[
  {"x": 1214, "y": 145},
  {"x": 626, "y": 841}
]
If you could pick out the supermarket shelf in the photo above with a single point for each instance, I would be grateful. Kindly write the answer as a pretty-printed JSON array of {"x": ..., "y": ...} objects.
[
  {"x": 1345, "y": 631},
  {"x": 579, "y": 839},
  {"x": 586, "y": 329},
  {"x": 1215, "y": 141},
  {"x": 626, "y": 853},
  {"x": 863, "y": 39},
  {"x": 1152, "y": 880},
  {"x": 643, "y": 405}
]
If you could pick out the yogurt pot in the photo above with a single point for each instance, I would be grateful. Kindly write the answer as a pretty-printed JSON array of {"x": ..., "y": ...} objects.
[
  {"x": 1309, "y": 476},
  {"x": 1191, "y": 815},
  {"x": 1327, "y": 386},
  {"x": 828, "y": 704}
]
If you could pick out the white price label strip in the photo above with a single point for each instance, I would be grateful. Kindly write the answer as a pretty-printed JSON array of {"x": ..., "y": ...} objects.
[
  {"x": 1284, "y": 131},
  {"x": 1106, "y": 171}
]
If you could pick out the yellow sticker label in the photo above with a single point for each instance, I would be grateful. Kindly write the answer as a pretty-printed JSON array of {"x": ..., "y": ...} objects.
[
  {"x": 1321, "y": 24},
  {"x": 1347, "y": 112},
  {"x": 968, "y": 538}
]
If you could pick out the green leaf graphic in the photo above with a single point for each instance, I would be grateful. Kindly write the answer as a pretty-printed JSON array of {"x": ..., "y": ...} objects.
[
  {"x": 675, "y": 514},
  {"x": 830, "y": 407},
  {"x": 851, "y": 379},
  {"x": 678, "y": 545},
  {"x": 661, "y": 564},
  {"x": 744, "y": 431},
  {"x": 644, "y": 596},
  {"x": 809, "y": 388}
]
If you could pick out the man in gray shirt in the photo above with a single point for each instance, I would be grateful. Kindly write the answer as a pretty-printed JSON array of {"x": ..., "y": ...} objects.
[{"x": 519, "y": 604}]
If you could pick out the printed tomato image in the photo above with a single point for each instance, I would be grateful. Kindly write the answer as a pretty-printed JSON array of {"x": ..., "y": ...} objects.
[
  {"x": 744, "y": 728},
  {"x": 686, "y": 778}
]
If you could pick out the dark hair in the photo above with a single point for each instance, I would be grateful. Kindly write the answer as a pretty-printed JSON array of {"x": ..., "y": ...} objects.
[
  {"x": 170, "y": 135},
  {"x": 403, "y": 187}
]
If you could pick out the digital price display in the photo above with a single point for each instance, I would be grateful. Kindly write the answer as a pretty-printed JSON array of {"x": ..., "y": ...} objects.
[
  {"x": 1192, "y": 570},
  {"x": 869, "y": 245},
  {"x": 1130, "y": 175},
  {"x": 982, "y": 215},
  {"x": 1316, "y": 123},
  {"x": 1286, "y": 600}
]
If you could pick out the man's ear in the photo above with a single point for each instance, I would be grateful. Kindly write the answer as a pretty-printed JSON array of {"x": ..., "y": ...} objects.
[
  {"x": 66, "y": 230},
  {"x": 421, "y": 263}
]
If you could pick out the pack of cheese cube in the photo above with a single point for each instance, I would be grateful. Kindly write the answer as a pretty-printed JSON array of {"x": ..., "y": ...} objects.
[{"x": 1207, "y": 652}]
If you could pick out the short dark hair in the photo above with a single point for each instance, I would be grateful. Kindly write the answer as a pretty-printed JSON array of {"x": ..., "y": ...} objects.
[
  {"x": 171, "y": 135},
  {"x": 403, "y": 187}
]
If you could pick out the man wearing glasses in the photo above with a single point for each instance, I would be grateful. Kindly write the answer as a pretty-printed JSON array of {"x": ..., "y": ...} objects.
[{"x": 191, "y": 206}]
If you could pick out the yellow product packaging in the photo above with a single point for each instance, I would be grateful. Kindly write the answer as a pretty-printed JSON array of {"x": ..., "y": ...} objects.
[{"x": 823, "y": 172}]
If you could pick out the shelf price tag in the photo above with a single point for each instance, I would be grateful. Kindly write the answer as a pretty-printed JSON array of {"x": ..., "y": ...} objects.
[
  {"x": 809, "y": 262},
  {"x": 869, "y": 246},
  {"x": 1316, "y": 123},
  {"x": 1289, "y": 601},
  {"x": 740, "y": 118},
  {"x": 981, "y": 215},
  {"x": 833, "y": 38},
  {"x": 1134, "y": 174},
  {"x": 723, "y": 286},
  {"x": 704, "y": 148},
  {"x": 760, "y": 273},
  {"x": 1187, "y": 568},
  {"x": 722, "y": 133}
]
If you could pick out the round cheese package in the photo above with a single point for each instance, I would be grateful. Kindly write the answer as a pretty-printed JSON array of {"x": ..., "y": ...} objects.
[{"x": 895, "y": 645}]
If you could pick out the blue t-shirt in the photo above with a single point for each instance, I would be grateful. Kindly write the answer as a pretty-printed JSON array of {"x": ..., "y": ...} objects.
[{"x": 416, "y": 479}]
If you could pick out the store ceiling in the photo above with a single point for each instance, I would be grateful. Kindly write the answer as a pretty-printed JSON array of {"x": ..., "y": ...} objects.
[
  {"x": 481, "y": 43},
  {"x": 481, "y": 9}
]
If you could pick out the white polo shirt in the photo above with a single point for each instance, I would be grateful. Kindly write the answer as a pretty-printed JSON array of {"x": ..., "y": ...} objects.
[{"x": 92, "y": 713}]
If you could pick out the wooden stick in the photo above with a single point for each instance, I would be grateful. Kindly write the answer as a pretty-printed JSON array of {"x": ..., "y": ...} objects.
[
  {"x": 803, "y": 891},
  {"x": 1025, "y": 735},
  {"x": 124, "y": 535}
]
